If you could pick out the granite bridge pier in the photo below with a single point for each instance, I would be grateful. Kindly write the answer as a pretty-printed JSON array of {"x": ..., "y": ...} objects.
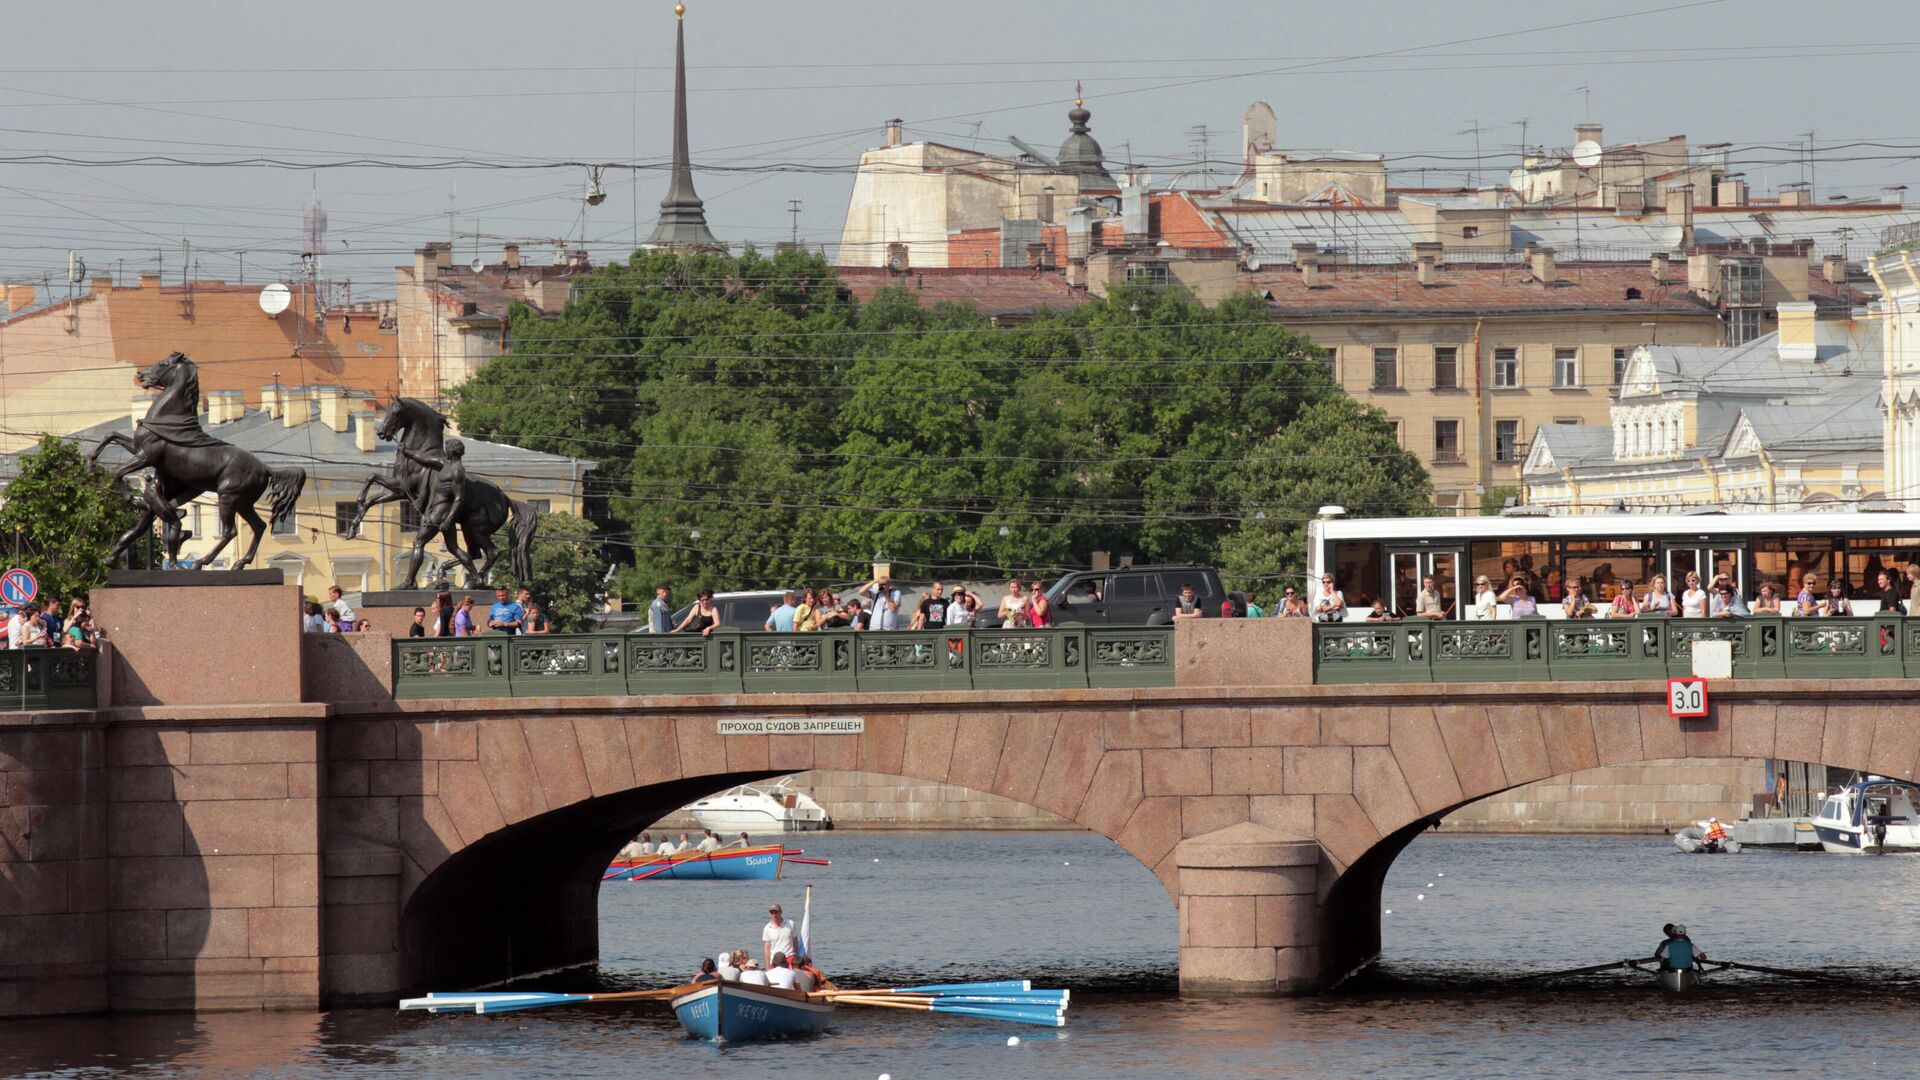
[{"x": 220, "y": 812}]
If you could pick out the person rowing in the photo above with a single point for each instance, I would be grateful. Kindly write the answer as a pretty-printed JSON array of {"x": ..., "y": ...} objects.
[
  {"x": 808, "y": 977},
  {"x": 1716, "y": 834},
  {"x": 1678, "y": 952},
  {"x": 709, "y": 973}
]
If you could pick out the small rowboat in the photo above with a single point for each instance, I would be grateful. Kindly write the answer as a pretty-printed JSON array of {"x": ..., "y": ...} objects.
[
  {"x": 1677, "y": 980},
  {"x": 726, "y": 864},
  {"x": 737, "y": 1012}
]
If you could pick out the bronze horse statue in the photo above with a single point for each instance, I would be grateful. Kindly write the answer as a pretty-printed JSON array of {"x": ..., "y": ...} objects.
[
  {"x": 187, "y": 462},
  {"x": 420, "y": 433}
]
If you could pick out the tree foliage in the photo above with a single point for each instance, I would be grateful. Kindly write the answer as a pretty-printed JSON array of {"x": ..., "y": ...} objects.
[
  {"x": 754, "y": 427},
  {"x": 65, "y": 516},
  {"x": 568, "y": 571}
]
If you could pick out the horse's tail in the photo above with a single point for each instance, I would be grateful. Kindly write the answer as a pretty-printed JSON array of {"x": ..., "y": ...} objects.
[
  {"x": 284, "y": 487},
  {"x": 526, "y": 522}
]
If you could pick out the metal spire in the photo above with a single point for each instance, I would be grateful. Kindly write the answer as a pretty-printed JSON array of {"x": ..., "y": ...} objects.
[{"x": 683, "y": 217}]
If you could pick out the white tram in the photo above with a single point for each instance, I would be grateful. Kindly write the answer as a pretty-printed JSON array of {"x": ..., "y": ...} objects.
[{"x": 1386, "y": 558}]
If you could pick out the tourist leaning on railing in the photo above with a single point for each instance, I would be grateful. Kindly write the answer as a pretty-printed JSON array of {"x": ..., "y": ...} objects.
[{"x": 1768, "y": 602}]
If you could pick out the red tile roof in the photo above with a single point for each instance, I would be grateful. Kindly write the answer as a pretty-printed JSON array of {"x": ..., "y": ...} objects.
[
  {"x": 1478, "y": 289},
  {"x": 995, "y": 291}
]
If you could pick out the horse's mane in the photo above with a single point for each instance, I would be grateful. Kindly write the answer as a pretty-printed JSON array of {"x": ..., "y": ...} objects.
[{"x": 189, "y": 386}]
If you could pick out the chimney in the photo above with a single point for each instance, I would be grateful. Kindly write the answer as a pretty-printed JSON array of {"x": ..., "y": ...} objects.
[
  {"x": 896, "y": 132},
  {"x": 1834, "y": 269},
  {"x": 1079, "y": 233},
  {"x": 424, "y": 266},
  {"x": 577, "y": 259},
  {"x": 1542, "y": 264},
  {"x": 1732, "y": 191},
  {"x": 1630, "y": 201},
  {"x": 1660, "y": 261},
  {"x": 1797, "y": 341},
  {"x": 1426, "y": 261},
  {"x": 1796, "y": 196},
  {"x": 270, "y": 400},
  {"x": 1133, "y": 210},
  {"x": 149, "y": 281},
  {"x": 1044, "y": 205},
  {"x": 333, "y": 406},
  {"x": 1680, "y": 212},
  {"x": 224, "y": 406},
  {"x": 363, "y": 425},
  {"x": 1305, "y": 253},
  {"x": 138, "y": 406},
  {"x": 1587, "y": 132},
  {"x": 1309, "y": 270},
  {"x": 510, "y": 256},
  {"x": 295, "y": 408},
  {"x": 100, "y": 285},
  {"x": 442, "y": 256}
]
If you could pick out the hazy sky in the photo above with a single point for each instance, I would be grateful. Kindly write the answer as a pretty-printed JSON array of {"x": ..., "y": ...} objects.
[{"x": 809, "y": 84}]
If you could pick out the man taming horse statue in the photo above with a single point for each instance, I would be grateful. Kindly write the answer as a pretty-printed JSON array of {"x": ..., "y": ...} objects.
[
  {"x": 187, "y": 463},
  {"x": 429, "y": 475}
]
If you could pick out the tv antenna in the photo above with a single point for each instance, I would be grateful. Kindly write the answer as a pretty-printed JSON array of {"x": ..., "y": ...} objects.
[
  {"x": 1474, "y": 129},
  {"x": 793, "y": 207},
  {"x": 1586, "y": 101},
  {"x": 1199, "y": 139}
]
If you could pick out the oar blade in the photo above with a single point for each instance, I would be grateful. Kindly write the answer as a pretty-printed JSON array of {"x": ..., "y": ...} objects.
[
  {"x": 488, "y": 1003},
  {"x": 1035, "y": 999},
  {"x": 1002, "y": 986},
  {"x": 1042, "y": 1017}
]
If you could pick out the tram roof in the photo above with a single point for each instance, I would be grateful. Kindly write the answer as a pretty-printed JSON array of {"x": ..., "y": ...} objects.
[{"x": 1622, "y": 526}]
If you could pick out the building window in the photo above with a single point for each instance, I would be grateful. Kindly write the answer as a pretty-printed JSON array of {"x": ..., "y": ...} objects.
[
  {"x": 1620, "y": 353},
  {"x": 1446, "y": 367},
  {"x": 343, "y": 516},
  {"x": 1394, "y": 424},
  {"x": 1742, "y": 278},
  {"x": 1153, "y": 273},
  {"x": 1566, "y": 367},
  {"x": 1446, "y": 441},
  {"x": 1506, "y": 369},
  {"x": 1568, "y": 420},
  {"x": 1743, "y": 325},
  {"x": 1386, "y": 369},
  {"x": 1506, "y": 439},
  {"x": 289, "y": 527},
  {"x": 1468, "y": 232}
]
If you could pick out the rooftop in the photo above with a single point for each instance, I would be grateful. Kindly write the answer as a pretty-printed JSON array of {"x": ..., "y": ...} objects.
[{"x": 994, "y": 290}]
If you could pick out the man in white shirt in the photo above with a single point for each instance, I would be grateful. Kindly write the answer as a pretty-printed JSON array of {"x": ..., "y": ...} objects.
[
  {"x": 337, "y": 603},
  {"x": 778, "y": 973},
  {"x": 753, "y": 976},
  {"x": 684, "y": 846},
  {"x": 709, "y": 842},
  {"x": 666, "y": 846},
  {"x": 776, "y": 936}
]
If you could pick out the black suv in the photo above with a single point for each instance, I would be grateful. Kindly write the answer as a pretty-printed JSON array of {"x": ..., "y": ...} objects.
[{"x": 1133, "y": 595}]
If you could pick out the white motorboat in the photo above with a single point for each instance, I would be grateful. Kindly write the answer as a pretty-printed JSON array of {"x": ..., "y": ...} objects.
[
  {"x": 752, "y": 808},
  {"x": 1873, "y": 816}
]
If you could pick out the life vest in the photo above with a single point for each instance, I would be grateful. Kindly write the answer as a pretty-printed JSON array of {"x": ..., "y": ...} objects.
[
  {"x": 1679, "y": 954},
  {"x": 1716, "y": 831}
]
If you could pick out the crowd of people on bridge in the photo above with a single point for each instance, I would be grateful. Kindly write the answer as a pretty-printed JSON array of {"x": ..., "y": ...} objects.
[
  {"x": 38, "y": 625},
  {"x": 510, "y": 614}
]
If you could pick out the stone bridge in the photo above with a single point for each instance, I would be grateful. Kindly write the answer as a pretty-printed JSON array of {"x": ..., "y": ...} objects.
[{"x": 284, "y": 831}]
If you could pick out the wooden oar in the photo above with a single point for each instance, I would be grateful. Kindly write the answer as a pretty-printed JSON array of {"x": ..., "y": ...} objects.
[
  {"x": 808, "y": 862},
  {"x": 1595, "y": 969},
  {"x": 514, "y": 1001},
  {"x": 1783, "y": 972},
  {"x": 1051, "y": 1016}
]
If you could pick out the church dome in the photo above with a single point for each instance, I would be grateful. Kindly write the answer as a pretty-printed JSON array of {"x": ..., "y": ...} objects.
[{"x": 1081, "y": 155}]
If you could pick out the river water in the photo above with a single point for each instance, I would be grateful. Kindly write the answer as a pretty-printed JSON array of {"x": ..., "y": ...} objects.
[{"x": 1072, "y": 909}]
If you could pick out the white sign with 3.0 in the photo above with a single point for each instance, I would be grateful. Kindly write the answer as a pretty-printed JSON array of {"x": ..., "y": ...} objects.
[{"x": 795, "y": 725}]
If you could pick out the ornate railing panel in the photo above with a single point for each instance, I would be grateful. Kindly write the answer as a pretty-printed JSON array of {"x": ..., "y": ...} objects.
[
  {"x": 729, "y": 661},
  {"x": 1535, "y": 649},
  {"x": 47, "y": 679}
]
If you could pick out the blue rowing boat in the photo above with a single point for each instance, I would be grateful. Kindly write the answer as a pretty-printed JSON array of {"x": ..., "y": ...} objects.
[
  {"x": 726, "y": 864},
  {"x": 740, "y": 1013}
]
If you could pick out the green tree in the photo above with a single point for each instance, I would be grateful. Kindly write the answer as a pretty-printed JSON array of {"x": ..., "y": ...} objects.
[
  {"x": 568, "y": 571},
  {"x": 1495, "y": 500},
  {"x": 1336, "y": 452},
  {"x": 65, "y": 516}
]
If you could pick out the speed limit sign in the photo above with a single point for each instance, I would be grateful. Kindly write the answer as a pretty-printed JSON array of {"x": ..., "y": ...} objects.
[{"x": 1686, "y": 697}]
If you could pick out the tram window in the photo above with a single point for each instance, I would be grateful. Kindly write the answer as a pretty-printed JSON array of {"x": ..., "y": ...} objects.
[
  {"x": 1502, "y": 560},
  {"x": 1356, "y": 572},
  {"x": 1793, "y": 562},
  {"x": 1868, "y": 555},
  {"x": 1605, "y": 564}
]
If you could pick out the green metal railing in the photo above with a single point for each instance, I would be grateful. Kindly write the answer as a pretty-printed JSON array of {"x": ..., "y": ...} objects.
[
  {"x": 1534, "y": 649},
  {"x": 733, "y": 662},
  {"x": 32, "y": 679}
]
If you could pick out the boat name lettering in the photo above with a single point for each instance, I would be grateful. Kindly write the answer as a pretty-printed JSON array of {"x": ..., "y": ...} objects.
[{"x": 796, "y": 725}]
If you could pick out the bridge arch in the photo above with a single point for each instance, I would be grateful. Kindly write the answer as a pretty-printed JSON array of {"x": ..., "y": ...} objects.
[{"x": 509, "y": 820}]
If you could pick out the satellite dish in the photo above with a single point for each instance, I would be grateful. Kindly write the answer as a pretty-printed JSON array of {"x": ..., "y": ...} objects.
[
  {"x": 1586, "y": 153},
  {"x": 275, "y": 298},
  {"x": 1253, "y": 262},
  {"x": 478, "y": 264},
  {"x": 1517, "y": 180}
]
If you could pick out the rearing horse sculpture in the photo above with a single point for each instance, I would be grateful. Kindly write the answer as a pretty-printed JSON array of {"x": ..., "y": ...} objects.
[
  {"x": 420, "y": 432},
  {"x": 187, "y": 462}
]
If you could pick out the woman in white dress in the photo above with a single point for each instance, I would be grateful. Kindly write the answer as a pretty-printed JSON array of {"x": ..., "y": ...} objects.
[
  {"x": 1693, "y": 602},
  {"x": 1486, "y": 602}
]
